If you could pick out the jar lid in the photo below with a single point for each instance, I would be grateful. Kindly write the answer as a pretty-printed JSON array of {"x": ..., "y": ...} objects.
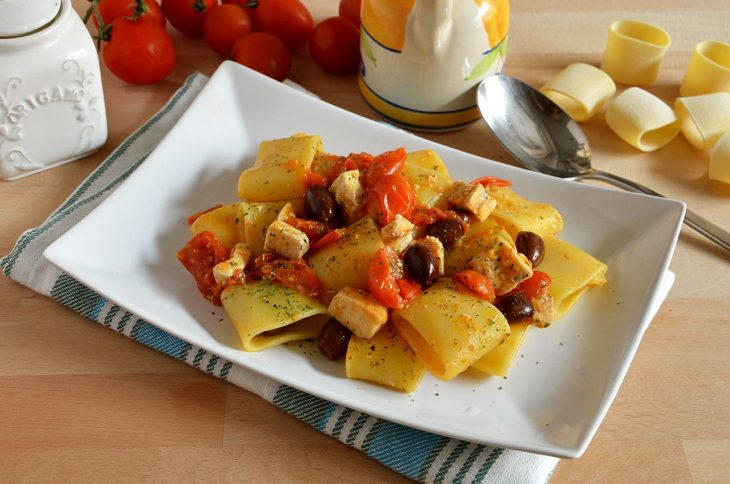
[{"x": 20, "y": 17}]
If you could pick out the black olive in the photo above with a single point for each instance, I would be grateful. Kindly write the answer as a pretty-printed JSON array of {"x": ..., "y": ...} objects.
[
  {"x": 531, "y": 246},
  {"x": 447, "y": 231},
  {"x": 332, "y": 339},
  {"x": 462, "y": 215},
  {"x": 319, "y": 204},
  {"x": 516, "y": 307},
  {"x": 421, "y": 264}
]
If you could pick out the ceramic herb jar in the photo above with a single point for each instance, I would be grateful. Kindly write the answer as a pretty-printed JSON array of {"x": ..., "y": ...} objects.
[
  {"x": 51, "y": 99},
  {"x": 422, "y": 59}
]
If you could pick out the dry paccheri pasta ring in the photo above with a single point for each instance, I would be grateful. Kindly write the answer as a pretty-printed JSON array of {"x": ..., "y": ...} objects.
[
  {"x": 704, "y": 118},
  {"x": 720, "y": 160},
  {"x": 642, "y": 120},
  {"x": 634, "y": 52},
  {"x": 708, "y": 70},
  {"x": 580, "y": 89}
]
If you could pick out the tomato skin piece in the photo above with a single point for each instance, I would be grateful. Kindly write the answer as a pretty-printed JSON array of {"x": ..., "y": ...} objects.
[
  {"x": 110, "y": 10},
  {"x": 536, "y": 286},
  {"x": 492, "y": 181},
  {"x": 335, "y": 46},
  {"x": 264, "y": 53},
  {"x": 390, "y": 196},
  {"x": 477, "y": 283},
  {"x": 350, "y": 9},
  {"x": 199, "y": 256},
  {"x": 382, "y": 276},
  {"x": 289, "y": 20},
  {"x": 314, "y": 229},
  {"x": 223, "y": 25},
  {"x": 408, "y": 289},
  {"x": 139, "y": 52},
  {"x": 294, "y": 274},
  {"x": 187, "y": 16},
  {"x": 328, "y": 239}
]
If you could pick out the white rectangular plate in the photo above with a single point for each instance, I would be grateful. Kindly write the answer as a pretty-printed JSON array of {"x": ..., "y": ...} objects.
[{"x": 559, "y": 388}]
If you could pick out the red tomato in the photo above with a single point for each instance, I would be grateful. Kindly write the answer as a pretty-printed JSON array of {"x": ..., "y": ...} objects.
[
  {"x": 477, "y": 283},
  {"x": 492, "y": 181},
  {"x": 264, "y": 53},
  {"x": 536, "y": 286},
  {"x": 328, "y": 239},
  {"x": 382, "y": 276},
  {"x": 139, "y": 52},
  {"x": 199, "y": 256},
  {"x": 390, "y": 196},
  {"x": 223, "y": 25},
  {"x": 248, "y": 5},
  {"x": 408, "y": 289},
  {"x": 383, "y": 165},
  {"x": 294, "y": 274},
  {"x": 335, "y": 46},
  {"x": 187, "y": 16},
  {"x": 289, "y": 20},
  {"x": 350, "y": 9},
  {"x": 110, "y": 10}
]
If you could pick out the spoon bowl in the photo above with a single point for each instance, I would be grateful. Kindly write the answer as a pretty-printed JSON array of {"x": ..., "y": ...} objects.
[{"x": 541, "y": 136}]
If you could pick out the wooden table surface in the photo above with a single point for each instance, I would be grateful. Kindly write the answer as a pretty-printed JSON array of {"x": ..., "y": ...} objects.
[{"x": 81, "y": 403}]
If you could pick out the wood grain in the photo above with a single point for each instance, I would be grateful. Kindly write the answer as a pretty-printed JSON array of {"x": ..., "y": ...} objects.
[{"x": 79, "y": 403}]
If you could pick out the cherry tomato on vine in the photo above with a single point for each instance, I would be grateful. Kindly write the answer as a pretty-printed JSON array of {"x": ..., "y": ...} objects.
[
  {"x": 224, "y": 24},
  {"x": 350, "y": 9},
  {"x": 264, "y": 53},
  {"x": 335, "y": 46},
  {"x": 289, "y": 20},
  {"x": 187, "y": 16},
  {"x": 139, "y": 52},
  {"x": 110, "y": 10},
  {"x": 248, "y": 5}
]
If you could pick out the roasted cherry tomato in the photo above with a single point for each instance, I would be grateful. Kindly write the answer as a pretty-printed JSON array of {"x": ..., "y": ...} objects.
[
  {"x": 383, "y": 273},
  {"x": 335, "y": 46},
  {"x": 110, "y": 10},
  {"x": 408, "y": 289},
  {"x": 199, "y": 256},
  {"x": 328, "y": 239},
  {"x": 187, "y": 16},
  {"x": 294, "y": 274},
  {"x": 350, "y": 9},
  {"x": 223, "y": 25},
  {"x": 492, "y": 181},
  {"x": 289, "y": 20},
  {"x": 314, "y": 229},
  {"x": 477, "y": 283},
  {"x": 264, "y": 53},
  {"x": 139, "y": 51},
  {"x": 536, "y": 286},
  {"x": 390, "y": 196}
]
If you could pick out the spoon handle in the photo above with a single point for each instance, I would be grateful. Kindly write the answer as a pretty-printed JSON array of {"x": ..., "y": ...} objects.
[{"x": 713, "y": 232}]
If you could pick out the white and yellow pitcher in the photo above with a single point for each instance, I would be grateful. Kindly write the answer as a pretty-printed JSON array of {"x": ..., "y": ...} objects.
[{"x": 422, "y": 59}]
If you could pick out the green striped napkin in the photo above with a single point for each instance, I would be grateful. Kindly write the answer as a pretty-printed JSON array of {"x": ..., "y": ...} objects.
[{"x": 416, "y": 454}]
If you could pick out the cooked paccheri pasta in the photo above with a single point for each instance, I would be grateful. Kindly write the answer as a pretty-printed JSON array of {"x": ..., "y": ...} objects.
[{"x": 384, "y": 260}]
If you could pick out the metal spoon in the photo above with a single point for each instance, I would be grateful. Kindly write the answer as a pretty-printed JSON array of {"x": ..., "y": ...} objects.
[{"x": 539, "y": 134}]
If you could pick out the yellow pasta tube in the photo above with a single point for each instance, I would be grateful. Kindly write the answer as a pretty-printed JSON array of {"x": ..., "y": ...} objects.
[
  {"x": 428, "y": 175},
  {"x": 266, "y": 314},
  {"x": 498, "y": 361},
  {"x": 642, "y": 120},
  {"x": 222, "y": 222},
  {"x": 573, "y": 272},
  {"x": 580, "y": 89},
  {"x": 634, "y": 52},
  {"x": 385, "y": 359},
  {"x": 449, "y": 328},
  {"x": 708, "y": 70},
  {"x": 704, "y": 118},
  {"x": 720, "y": 160},
  {"x": 516, "y": 213}
]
